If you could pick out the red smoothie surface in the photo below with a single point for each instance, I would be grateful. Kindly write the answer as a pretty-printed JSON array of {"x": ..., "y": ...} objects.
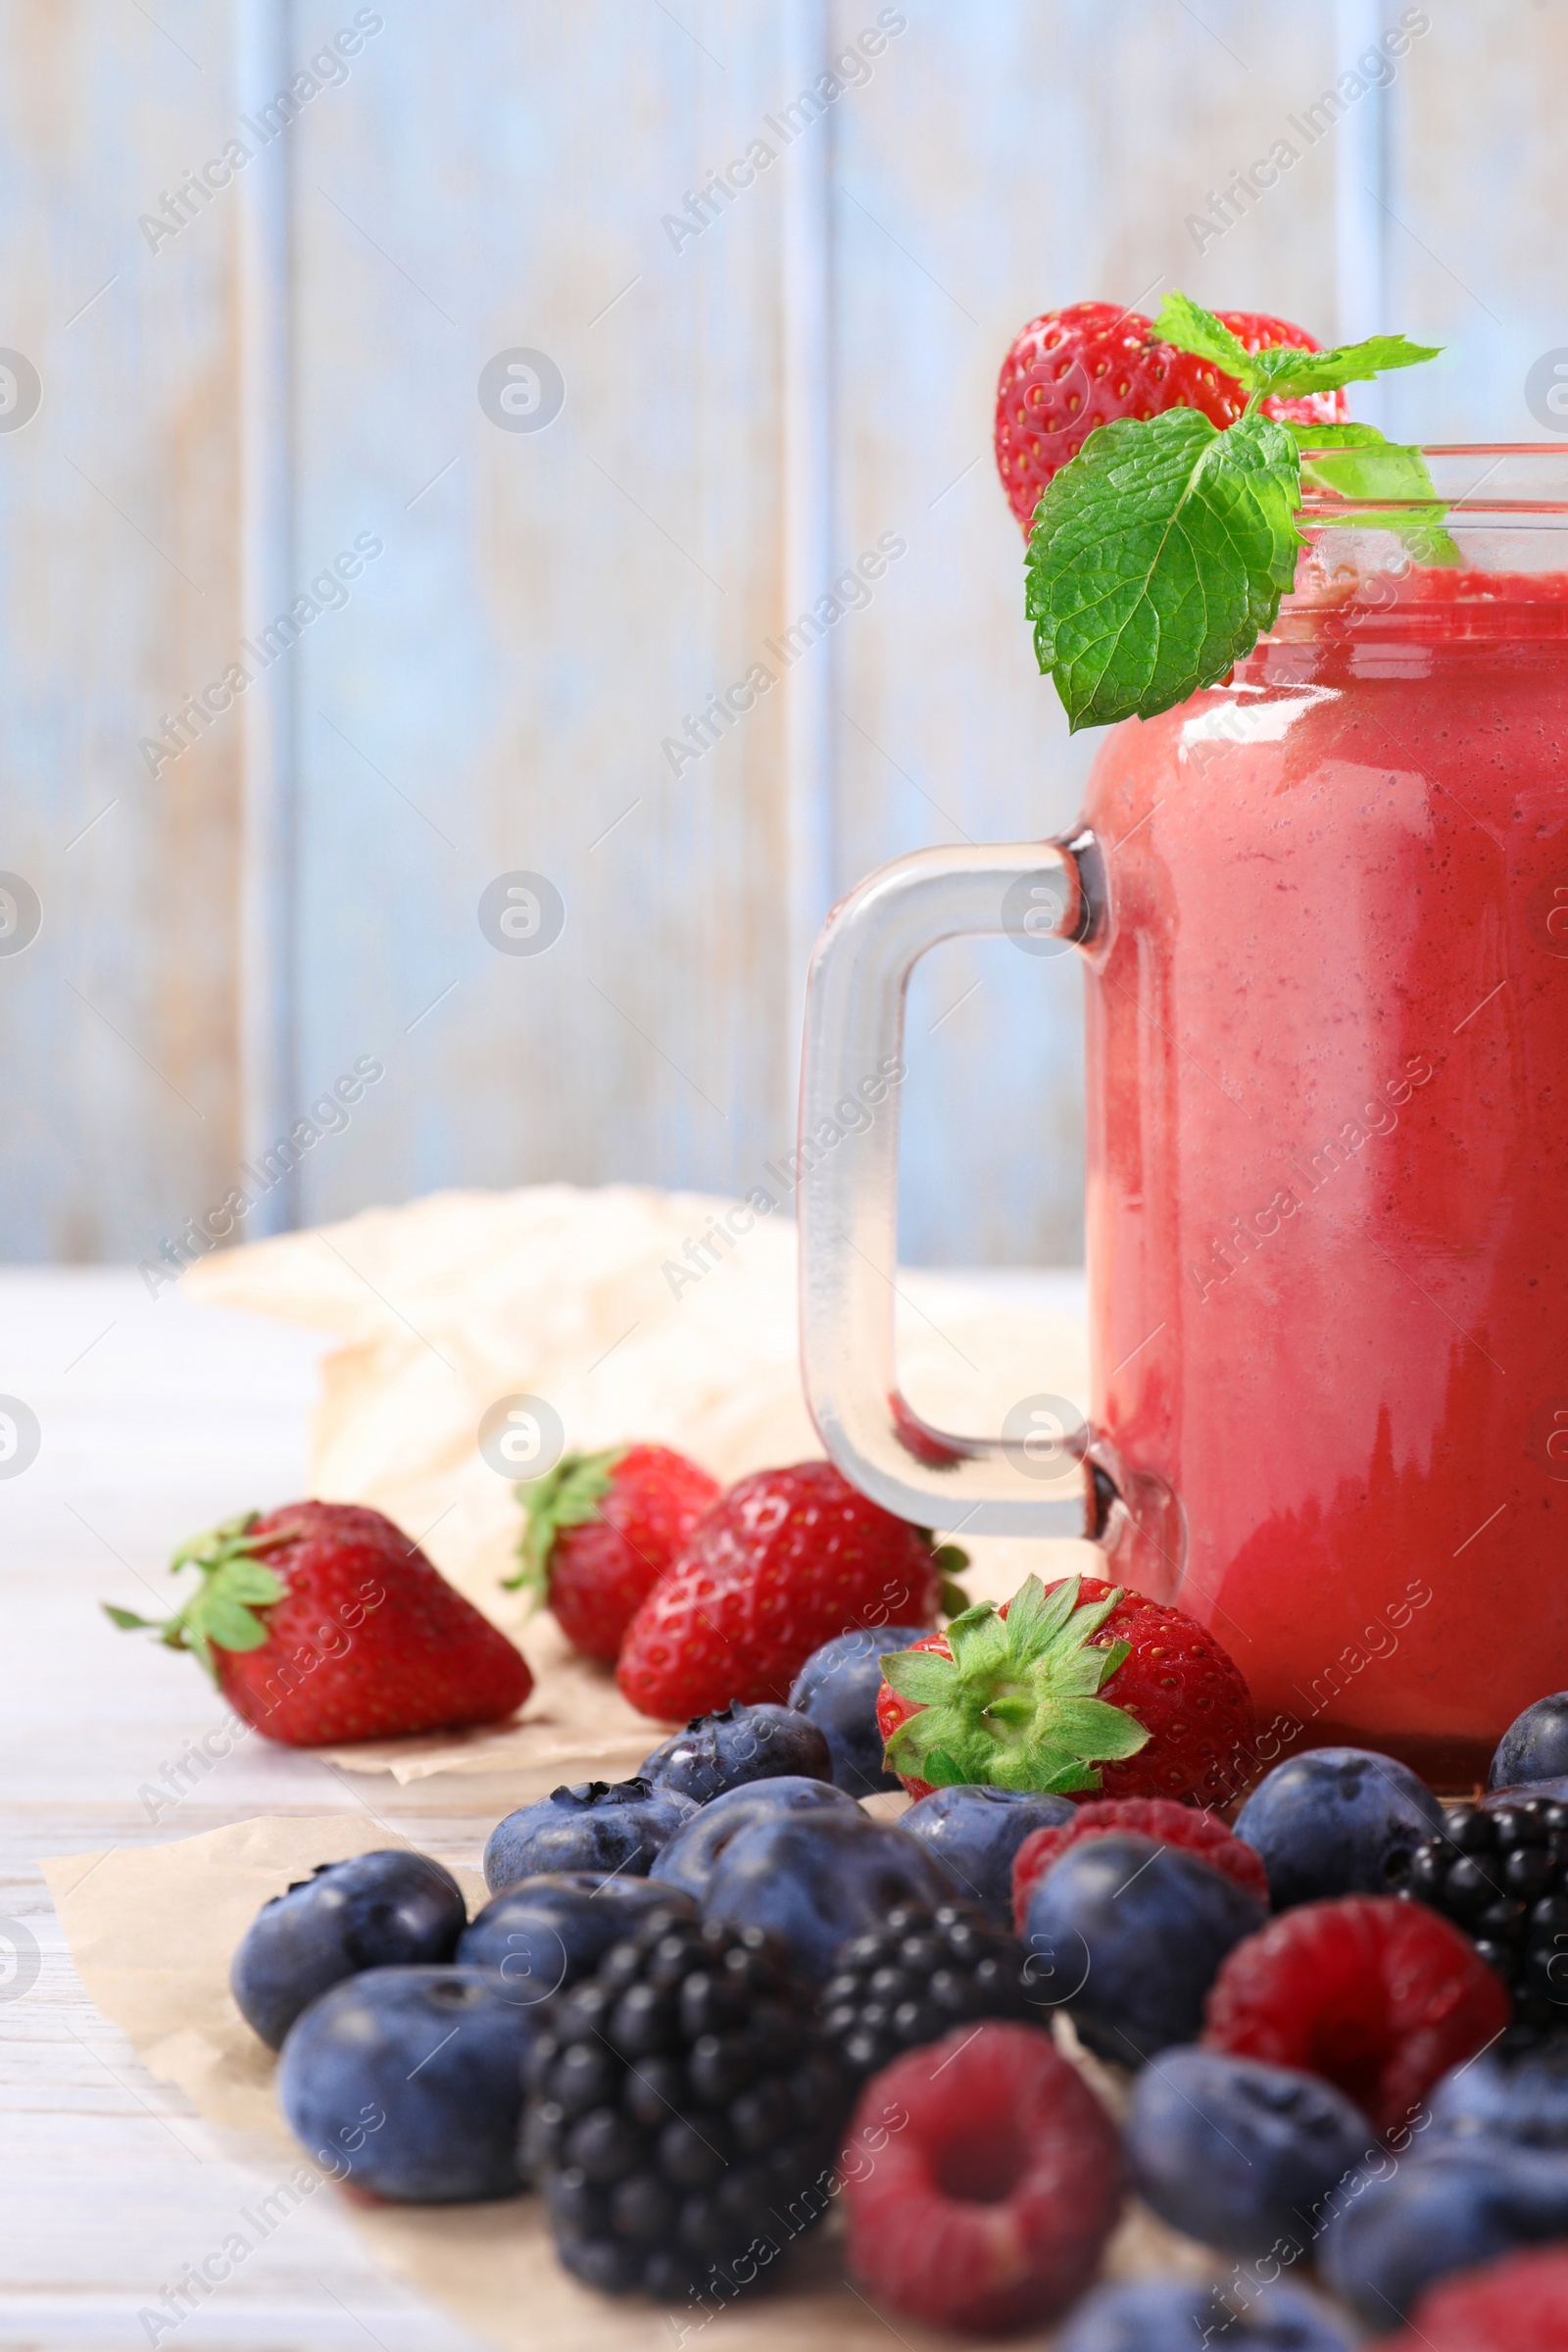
[{"x": 1328, "y": 1157}]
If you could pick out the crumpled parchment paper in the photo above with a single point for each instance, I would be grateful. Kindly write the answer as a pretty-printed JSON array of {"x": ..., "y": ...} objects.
[
  {"x": 609, "y": 1306},
  {"x": 152, "y": 1930}
]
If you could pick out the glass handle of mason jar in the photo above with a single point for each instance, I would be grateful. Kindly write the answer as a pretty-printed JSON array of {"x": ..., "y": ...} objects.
[{"x": 1045, "y": 1479}]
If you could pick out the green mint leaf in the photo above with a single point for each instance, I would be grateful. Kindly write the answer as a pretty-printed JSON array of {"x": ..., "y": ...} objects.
[
  {"x": 1285, "y": 373},
  {"x": 1157, "y": 558},
  {"x": 1190, "y": 327},
  {"x": 1372, "y": 468}
]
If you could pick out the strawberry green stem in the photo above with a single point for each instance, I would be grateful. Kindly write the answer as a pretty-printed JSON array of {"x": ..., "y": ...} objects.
[
  {"x": 220, "y": 1614},
  {"x": 1016, "y": 1704},
  {"x": 569, "y": 1495}
]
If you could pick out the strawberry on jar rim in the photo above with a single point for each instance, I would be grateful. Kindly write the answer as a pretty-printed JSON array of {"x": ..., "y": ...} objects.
[
  {"x": 321, "y": 1622},
  {"x": 600, "y": 1531},
  {"x": 1091, "y": 363},
  {"x": 1081, "y": 1689}
]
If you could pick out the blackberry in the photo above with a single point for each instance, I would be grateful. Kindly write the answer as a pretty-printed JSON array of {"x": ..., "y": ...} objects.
[
  {"x": 1500, "y": 1873},
  {"x": 683, "y": 2114},
  {"x": 915, "y": 1977}
]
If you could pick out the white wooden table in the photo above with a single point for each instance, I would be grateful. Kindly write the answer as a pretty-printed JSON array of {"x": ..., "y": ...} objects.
[{"x": 157, "y": 1419}]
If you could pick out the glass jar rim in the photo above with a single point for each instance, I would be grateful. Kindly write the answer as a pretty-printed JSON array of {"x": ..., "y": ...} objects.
[{"x": 1478, "y": 485}]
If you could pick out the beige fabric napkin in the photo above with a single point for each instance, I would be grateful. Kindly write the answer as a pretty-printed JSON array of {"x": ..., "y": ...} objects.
[{"x": 491, "y": 2266}]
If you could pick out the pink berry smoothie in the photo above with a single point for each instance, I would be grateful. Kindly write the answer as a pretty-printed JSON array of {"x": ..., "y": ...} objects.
[{"x": 1328, "y": 1157}]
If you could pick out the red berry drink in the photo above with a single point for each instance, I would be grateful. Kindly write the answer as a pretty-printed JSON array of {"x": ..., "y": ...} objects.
[{"x": 1327, "y": 1142}]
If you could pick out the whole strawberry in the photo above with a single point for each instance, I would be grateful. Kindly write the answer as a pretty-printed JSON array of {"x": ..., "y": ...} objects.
[
  {"x": 321, "y": 1622},
  {"x": 787, "y": 1560},
  {"x": 601, "y": 1530},
  {"x": 1080, "y": 1690},
  {"x": 1091, "y": 361}
]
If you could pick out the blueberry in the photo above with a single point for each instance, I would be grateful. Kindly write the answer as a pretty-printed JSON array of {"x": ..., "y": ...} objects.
[
  {"x": 837, "y": 1688},
  {"x": 408, "y": 2083},
  {"x": 816, "y": 1879},
  {"x": 1523, "y": 2099},
  {"x": 690, "y": 1858},
  {"x": 1546, "y": 1793},
  {"x": 976, "y": 1831},
  {"x": 1390, "y": 2235},
  {"x": 1337, "y": 1821},
  {"x": 371, "y": 1911},
  {"x": 1127, "y": 1935},
  {"x": 598, "y": 1826},
  {"x": 715, "y": 1752},
  {"x": 1535, "y": 1746},
  {"x": 1237, "y": 2153},
  {"x": 546, "y": 1934},
  {"x": 1158, "y": 2315}
]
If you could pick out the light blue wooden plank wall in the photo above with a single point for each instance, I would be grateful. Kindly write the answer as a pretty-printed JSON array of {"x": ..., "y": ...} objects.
[{"x": 547, "y": 607}]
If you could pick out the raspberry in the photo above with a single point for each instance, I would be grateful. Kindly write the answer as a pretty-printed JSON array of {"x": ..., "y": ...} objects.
[
  {"x": 1145, "y": 1817},
  {"x": 683, "y": 2114},
  {"x": 991, "y": 2180},
  {"x": 912, "y": 1980},
  {"x": 1519, "y": 2302},
  {"x": 1500, "y": 1872},
  {"x": 1377, "y": 1995}
]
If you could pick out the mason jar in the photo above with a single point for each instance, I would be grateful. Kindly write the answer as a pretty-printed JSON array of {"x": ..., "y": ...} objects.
[{"x": 1323, "y": 912}]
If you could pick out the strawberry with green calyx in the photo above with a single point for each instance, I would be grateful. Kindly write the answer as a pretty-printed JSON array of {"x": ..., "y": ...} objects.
[
  {"x": 1096, "y": 1690},
  {"x": 1159, "y": 553},
  {"x": 321, "y": 1622},
  {"x": 1012, "y": 1702},
  {"x": 1092, "y": 363},
  {"x": 600, "y": 1530},
  {"x": 785, "y": 1561}
]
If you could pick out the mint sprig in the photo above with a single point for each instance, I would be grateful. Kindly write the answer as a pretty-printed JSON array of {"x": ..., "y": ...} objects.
[
  {"x": 1283, "y": 371},
  {"x": 1016, "y": 1704},
  {"x": 221, "y": 1611},
  {"x": 1158, "y": 555}
]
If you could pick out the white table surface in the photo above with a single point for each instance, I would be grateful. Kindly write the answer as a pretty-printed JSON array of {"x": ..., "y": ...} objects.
[{"x": 158, "y": 1418}]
